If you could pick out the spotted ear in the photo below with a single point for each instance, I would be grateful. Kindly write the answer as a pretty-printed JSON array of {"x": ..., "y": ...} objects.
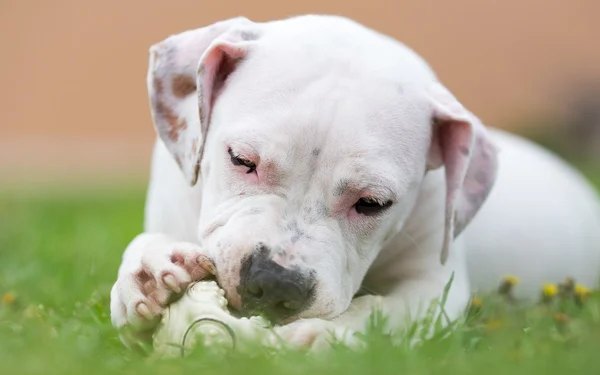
[
  {"x": 186, "y": 73},
  {"x": 463, "y": 146}
]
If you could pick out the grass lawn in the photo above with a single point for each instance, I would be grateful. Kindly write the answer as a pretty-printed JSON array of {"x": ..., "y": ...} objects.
[{"x": 59, "y": 255}]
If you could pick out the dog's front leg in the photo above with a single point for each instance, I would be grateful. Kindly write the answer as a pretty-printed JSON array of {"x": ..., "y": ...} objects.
[{"x": 410, "y": 302}]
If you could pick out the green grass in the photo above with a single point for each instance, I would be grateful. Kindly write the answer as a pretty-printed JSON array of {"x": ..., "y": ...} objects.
[{"x": 59, "y": 255}]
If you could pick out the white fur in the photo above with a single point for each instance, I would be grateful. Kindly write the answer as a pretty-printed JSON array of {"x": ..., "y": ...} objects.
[
  {"x": 327, "y": 86},
  {"x": 540, "y": 223}
]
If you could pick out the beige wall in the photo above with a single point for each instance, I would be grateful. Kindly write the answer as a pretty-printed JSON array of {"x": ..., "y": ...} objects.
[{"x": 72, "y": 73}]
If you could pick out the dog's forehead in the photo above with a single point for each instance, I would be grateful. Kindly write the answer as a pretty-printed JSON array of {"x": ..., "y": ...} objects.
[
  {"x": 332, "y": 117},
  {"x": 335, "y": 116}
]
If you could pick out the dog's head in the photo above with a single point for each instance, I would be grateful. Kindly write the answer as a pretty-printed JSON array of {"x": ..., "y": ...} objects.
[{"x": 310, "y": 137}]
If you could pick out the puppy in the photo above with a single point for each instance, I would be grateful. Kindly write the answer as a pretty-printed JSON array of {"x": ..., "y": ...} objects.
[{"x": 309, "y": 159}]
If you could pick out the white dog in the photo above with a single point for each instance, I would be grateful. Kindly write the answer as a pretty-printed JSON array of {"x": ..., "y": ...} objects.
[{"x": 311, "y": 158}]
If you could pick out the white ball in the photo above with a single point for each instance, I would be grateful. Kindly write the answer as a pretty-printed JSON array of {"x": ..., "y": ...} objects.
[{"x": 201, "y": 318}]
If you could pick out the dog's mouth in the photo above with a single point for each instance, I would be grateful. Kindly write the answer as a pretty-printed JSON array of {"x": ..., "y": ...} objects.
[{"x": 240, "y": 310}]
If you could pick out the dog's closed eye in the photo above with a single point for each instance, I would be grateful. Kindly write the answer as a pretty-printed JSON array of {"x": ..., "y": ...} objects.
[
  {"x": 371, "y": 206},
  {"x": 237, "y": 160}
]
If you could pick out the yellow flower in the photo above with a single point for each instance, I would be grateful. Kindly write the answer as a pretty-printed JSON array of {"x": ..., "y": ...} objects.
[
  {"x": 582, "y": 291},
  {"x": 550, "y": 290},
  {"x": 8, "y": 298},
  {"x": 476, "y": 302},
  {"x": 511, "y": 280},
  {"x": 581, "y": 294}
]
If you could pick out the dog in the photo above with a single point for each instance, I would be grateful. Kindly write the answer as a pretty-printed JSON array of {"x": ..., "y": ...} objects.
[{"x": 321, "y": 171}]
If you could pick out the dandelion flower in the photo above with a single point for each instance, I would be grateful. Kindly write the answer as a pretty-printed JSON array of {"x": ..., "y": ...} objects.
[
  {"x": 550, "y": 290},
  {"x": 581, "y": 294},
  {"x": 8, "y": 298},
  {"x": 582, "y": 291}
]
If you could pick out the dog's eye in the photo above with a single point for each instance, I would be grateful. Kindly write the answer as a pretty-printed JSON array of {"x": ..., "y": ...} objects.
[
  {"x": 371, "y": 206},
  {"x": 238, "y": 160}
]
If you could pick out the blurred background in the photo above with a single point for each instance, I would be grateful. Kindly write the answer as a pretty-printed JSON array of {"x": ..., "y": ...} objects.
[{"x": 73, "y": 96}]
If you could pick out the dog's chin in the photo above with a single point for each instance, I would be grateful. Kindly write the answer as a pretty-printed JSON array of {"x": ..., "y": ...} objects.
[{"x": 237, "y": 309}]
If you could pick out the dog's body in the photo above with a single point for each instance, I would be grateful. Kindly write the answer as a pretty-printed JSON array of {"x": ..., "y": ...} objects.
[
  {"x": 337, "y": 163},
  {"x": 525, "y": 229}
]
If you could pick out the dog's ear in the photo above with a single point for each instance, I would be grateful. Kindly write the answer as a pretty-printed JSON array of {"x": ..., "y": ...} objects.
[
  {"x": 185, "y": 75},
  {"x": 463, "y": 146}
]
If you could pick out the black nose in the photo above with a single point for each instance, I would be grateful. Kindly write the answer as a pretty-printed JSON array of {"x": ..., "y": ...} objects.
[{"x": 270, "y": 289}]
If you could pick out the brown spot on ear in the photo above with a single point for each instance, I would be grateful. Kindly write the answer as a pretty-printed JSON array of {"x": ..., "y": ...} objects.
[
  {"x": 182, "y": 86},
  {"x": 158, "y": 86},
  {"x": 174, "y": 125},
  {"x": 464, "y": 150},
  {"x": 176, "y": 128},
  {"x": 168, "y": 121}
]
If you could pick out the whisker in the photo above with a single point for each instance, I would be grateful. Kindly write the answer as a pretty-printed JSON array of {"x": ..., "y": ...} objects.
[{"x": 366, "y": 289}]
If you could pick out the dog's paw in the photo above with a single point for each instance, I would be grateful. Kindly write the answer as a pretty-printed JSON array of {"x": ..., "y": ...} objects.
[
  {"x": 315, "y": 335},
  {"x": 153, "y": 275}
]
